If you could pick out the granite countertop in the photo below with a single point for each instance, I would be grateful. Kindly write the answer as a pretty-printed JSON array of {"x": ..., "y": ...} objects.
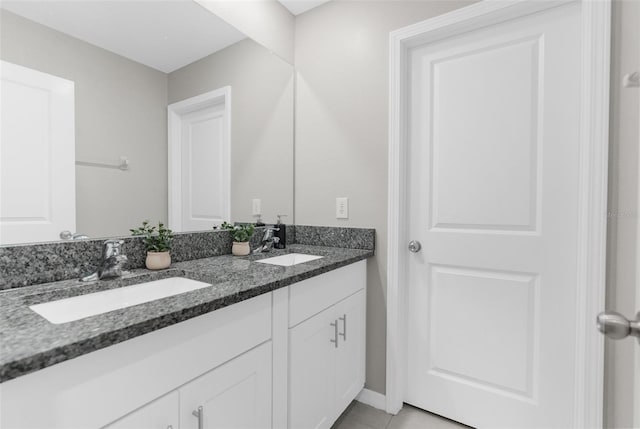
[{"x": 28, "y": 342}]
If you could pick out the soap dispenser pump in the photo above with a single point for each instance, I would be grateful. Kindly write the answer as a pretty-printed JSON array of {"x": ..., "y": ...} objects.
[
  {"x": 259, "y": 221},
  {"x": 281, "y": 233}
]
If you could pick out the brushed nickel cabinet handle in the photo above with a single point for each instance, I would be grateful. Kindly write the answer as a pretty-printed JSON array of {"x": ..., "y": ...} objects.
[
  {"x": 200, "y": 415},
  {"x": 343, "y": 334},
  {"x": 335, "y": 333}
]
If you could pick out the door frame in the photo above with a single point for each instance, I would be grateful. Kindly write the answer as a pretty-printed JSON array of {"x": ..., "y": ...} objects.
[
  {"x": 175, "y": 112},
  {"x": 592, "y": 216},
  {"x": 636, "y": 417}
]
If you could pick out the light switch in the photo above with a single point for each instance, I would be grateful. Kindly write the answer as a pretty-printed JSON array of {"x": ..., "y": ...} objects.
[
  {"x": 257, "y": 206},
  {"x": 342, "y": 208}
]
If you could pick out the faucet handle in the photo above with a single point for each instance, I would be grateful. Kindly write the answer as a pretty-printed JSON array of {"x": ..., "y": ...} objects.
[{"x": 112, "y": 248}]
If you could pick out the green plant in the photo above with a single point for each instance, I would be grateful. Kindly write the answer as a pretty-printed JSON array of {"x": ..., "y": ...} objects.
[
  {"x": 155, "y": 239},
  {"x": 240, "y": 233}
]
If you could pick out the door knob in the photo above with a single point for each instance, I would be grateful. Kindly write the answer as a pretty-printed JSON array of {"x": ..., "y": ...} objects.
[
  {"x": 414, "y": 246},
  {"x": 616, "y": 326}
]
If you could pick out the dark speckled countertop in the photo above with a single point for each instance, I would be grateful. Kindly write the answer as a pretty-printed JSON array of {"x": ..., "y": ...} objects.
[{"x": 28, "y": 342}]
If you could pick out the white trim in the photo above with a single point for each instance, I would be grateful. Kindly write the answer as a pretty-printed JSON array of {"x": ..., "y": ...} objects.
[
  {"x": 373, "y": 399},
  {"x": 280, "y": 357},
  {"x": 636, "y": 398},
  {"x": 593, "y": 187},
  {"x": 175, "y": 111},
  {"x": 592, "y": 217}
]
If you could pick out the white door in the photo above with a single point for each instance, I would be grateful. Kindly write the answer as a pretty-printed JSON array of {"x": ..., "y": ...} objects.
[
  {"x": 494, "y": 158},
  {"x": 37, "y": 155},
  {"x": 235, "y": 395},
  {"x": 199, "y": 161}
]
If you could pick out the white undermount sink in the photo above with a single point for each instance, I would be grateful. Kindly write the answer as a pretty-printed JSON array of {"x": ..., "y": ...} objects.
[
  {"x": 79, "y": 307},
  {"x": 289, "y": 259}
]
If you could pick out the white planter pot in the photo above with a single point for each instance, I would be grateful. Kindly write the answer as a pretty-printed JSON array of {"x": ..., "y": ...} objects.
[
  {"x": 158, "y": 260},
  {"x": 240, "y": 248}
]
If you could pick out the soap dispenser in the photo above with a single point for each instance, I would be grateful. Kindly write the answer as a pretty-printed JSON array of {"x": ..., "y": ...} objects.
[{"x": 281, "y": 234}]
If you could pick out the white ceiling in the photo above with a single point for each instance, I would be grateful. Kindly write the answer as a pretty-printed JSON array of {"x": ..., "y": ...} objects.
[
  {"x": 165, "y": 35},
  {"x": 297, "y": 7}
]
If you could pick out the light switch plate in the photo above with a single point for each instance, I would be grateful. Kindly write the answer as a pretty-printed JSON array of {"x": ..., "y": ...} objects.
[
  {"x": 257, "y": 206},
  {"x": 342, "y": 208}
]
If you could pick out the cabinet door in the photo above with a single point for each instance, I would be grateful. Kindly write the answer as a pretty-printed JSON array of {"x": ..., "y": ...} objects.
[
  {"x": 234, "y": 395},
  {"x": 159, "y": 414},
  {"x": 311, "y": 372},
  {"x": 350, "y": 354}
]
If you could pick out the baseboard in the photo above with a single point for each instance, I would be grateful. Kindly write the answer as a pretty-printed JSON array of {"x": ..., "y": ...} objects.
[{"x": 373, "y": 399}]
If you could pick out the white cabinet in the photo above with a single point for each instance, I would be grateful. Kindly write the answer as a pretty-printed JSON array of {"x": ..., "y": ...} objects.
[
  {"x": 121, "y": 384},
  {"x": 235, "y": 395},
  {"x": 292, "y": 358},
  {"x": 159, "y": 414},
  {"x": 327, "y": 356}
]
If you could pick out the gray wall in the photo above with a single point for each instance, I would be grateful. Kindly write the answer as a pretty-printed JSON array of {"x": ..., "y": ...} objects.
[
  {"x": 262, "y": 123},
  {"x": 120, "y": 110},
  {"x": 341, "y": 57},
  {"x": 623, "y": 259}
]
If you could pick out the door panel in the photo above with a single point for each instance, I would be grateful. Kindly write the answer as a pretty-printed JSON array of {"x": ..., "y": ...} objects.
[
  {"x": 493, "y": 197},
  {"x": 37, "y": 156},
  {"x": 496, "y": 148},
  {"x": 499, "y": 306}
]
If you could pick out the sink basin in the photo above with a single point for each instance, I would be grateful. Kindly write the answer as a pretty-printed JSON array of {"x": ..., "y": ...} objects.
[
  {"x": 289, "y": 259},
  {"x": 79, "y": 307}
]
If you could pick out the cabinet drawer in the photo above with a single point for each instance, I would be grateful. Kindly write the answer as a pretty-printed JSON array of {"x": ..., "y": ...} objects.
[{"x": 313, "y": 295}]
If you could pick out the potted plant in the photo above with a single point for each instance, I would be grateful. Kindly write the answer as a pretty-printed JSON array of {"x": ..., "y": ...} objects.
[
  {"x": 157, "y": 241},
  {"x": 241, "y": 235}
]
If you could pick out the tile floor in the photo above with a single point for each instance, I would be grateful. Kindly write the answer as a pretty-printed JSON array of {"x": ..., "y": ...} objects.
[{"x": 360, "y": 416}]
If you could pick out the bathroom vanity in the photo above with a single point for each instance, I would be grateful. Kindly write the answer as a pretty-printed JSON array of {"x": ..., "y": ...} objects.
[{"x": 264, "y": 346}]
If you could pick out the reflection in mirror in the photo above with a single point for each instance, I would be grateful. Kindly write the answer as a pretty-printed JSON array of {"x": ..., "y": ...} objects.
[{"x": 122, "y": 82}]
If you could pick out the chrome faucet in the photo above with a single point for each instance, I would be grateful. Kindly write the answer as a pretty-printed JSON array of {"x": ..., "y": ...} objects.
[
  {"x": 268, "y": 240},
  {"x": 112, "y": 263}
]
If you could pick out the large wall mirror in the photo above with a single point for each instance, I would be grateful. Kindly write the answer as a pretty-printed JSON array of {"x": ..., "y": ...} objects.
[{"x": 173, "y": 111}]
